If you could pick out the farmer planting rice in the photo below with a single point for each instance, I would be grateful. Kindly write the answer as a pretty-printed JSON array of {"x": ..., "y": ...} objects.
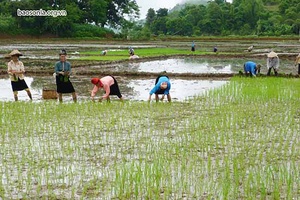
[
  {"x": 251, "y": 68},
  {"x": 110, "y": 86},
  {"x": 103, "y": 53},
  {"x": 16, "y": 70},
  {"x": 272, "y": 63},
  {"x": 131, "y": 51},
  {"x": 62, "y": 72},
  {"x": 162, "y": 86}
]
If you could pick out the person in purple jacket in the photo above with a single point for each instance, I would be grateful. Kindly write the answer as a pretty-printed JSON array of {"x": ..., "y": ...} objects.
[
  {"x": 251, "y": 68},
  {"x": 162, "y": 86}
]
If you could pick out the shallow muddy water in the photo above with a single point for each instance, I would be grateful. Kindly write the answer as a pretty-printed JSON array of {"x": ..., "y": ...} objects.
[
  {"x": 194, "y": 65},
  {"x": 131, "y": 88}
]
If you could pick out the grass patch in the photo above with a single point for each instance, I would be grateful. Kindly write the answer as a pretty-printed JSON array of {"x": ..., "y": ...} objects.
[
  {"x": 240, "y": 141},
  {"x": 143, "y": 52}
]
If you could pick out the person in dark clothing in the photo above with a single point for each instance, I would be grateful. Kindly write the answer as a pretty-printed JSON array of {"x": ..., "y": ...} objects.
[{"x": 62, "y": 72}]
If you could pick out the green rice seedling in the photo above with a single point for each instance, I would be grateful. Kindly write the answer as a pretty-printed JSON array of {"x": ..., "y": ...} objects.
[{"x": 236, "y": 142}]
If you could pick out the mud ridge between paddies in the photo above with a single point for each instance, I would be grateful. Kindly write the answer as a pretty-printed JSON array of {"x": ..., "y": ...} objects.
[{"x": 85, "y": 69}]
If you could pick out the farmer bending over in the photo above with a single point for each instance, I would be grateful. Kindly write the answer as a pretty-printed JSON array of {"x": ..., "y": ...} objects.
[
  {"x": 251, "y": 68},
  {"x": 162, "y": 86},
  {"x": 110, "y": 86}
]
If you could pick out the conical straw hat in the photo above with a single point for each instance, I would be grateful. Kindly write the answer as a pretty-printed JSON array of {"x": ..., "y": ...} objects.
[
  {"x": 272, "y": 54},
  {"x": 15, "y": 52}
]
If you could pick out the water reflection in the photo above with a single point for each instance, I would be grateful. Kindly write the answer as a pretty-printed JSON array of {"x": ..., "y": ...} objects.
[
  {"x": 131, "y": 88},
  {"x": 180, "y": 89},
  {"x": 7, "y": 93},
  {"x": 181, "y": 66}
]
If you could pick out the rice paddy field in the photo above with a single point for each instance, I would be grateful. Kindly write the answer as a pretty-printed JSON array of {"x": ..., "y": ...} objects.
[{"x": 240, "y": 141}]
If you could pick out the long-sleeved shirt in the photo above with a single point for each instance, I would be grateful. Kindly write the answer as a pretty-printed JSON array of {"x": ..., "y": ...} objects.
[
  {"x": 63, "y": 66},
  {"x": 106, "y": 81},
  {"x": 273, "y": 62},
  {"x": 18, "y": 67},
  {"x": 157, "y": 86},
  {"x": 250, "y": 67}
]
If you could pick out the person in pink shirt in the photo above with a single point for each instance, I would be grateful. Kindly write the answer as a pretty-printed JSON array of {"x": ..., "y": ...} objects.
[{"x": 110, "y": 86}]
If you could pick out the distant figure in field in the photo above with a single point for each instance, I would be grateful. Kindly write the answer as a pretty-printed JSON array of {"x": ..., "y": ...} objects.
[
  {"x": 103, "y": 53},
  {"x": 131, "y": 51},
  {"x": 251, "y": 68},
  {"x": 272, "y": 63},
  {"x": 162, "y": 86},
  {"x": 250, "y": 48},
  {"x": 215, "y": 49},
  {"x": 110, "y": 86},
  {"x": 193, "y": 48},
  {"x": 297, "y": 62},
  {"x": 133, "y": 56}
]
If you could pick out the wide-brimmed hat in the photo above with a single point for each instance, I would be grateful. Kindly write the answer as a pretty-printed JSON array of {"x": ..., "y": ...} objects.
[
  {"x": 15, "y": 53},
  {"x": 163, "y": 85},
  {"x": 272, "y": 54},
  {"x": 63, "y": 52}
]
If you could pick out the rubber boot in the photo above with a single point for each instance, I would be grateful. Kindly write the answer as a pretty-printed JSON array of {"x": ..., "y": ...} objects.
[
  {"x": 276, "y": 73},
  {"x": 298, "y": 69}
]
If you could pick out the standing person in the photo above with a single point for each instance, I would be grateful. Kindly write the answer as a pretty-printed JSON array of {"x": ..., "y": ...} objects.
[
  {"x": 297, "y": 62},
  {"x": 162, "y": 86},
  {"x": 63, "y": 71},
  {"x": 110, "y": 86},
  {"x": 272, "y": 63},
  {"x": 251, "y": 68},
  {"x": 16, "y": 70},
  {"x": 193, "y": 48}
]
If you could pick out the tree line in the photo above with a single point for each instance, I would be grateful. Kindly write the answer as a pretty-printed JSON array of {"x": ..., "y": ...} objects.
[
  {"x": 91, "y": 18},
  {"x": 220, "y": 18},
  {"x": 85, "y": 18}
]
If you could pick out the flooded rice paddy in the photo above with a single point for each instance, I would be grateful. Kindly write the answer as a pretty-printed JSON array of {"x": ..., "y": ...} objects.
[
  {"x": 131, "y": 88},
  {"x": 215, "y": 147},
  {"x": 137, "y": 88}
]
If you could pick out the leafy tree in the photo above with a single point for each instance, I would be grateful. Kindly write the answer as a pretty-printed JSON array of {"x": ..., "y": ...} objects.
[
  {"x": 150, "y": 17},
  {"x": 162, "y": 12},
  {"x": 214, "y": 25},
  {"x": 118, "y": 9},
  {"x": 159, "y": 26}
]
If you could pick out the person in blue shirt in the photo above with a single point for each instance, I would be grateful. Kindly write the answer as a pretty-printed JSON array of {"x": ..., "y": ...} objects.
[
  {"x": 193, "y": 48},
  {"x": 62, "y": 74},
  {"x": 251, "y": 68},
  {"x": 162, "y": 86}
]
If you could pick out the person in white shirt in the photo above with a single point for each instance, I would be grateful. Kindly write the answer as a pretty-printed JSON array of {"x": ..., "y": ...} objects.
[{"x": 16, "y": 70}]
